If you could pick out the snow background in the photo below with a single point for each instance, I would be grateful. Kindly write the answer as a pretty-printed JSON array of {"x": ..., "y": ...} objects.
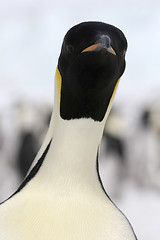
[{"x": 31, "y": 34}]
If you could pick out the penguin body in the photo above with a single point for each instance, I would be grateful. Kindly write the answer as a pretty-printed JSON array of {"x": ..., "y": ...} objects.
[
  {"x": 62, "y": 196},
  {"x": 72, "y": 206}
]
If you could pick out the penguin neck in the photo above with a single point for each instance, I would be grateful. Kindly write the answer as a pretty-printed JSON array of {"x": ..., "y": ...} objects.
[{"x": 72, "y": 155}]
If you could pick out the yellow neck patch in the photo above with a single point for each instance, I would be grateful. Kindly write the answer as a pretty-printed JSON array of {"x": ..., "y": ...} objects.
[
  {"x": 113, "y": 94},
  {"x": 58, "y": 79},
  {"x": 115, "y": 89}
]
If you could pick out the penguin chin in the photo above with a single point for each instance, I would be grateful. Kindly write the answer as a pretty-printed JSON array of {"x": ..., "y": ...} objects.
[
  {"x": 91, "y": 70},
  {"x": 92, "y": 105},
  {"x": 88, "y": 86}
]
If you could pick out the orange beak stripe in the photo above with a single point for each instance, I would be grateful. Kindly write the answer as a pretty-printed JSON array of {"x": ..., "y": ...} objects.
[
  {"x": 92, "y": 47},
  {"x": 95, "y": 46}
]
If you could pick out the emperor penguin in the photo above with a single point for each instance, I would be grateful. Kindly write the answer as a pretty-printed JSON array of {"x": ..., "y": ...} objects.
[{"x": 62, "y": 197}]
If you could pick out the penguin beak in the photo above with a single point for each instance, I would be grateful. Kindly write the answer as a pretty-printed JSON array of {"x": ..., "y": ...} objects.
[
  {"x": 97, "y": 47},
  {"x": 102, "y": 43},
  {"x": 92, "y": 47}
]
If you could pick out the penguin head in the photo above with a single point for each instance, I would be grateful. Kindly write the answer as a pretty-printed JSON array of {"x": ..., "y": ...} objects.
[{"x": 91, "y": 61}]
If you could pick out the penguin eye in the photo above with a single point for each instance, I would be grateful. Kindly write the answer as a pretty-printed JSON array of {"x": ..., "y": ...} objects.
[{"x": 69, "y": 48}]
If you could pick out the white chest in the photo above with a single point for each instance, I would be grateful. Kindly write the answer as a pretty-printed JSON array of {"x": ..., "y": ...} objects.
[{"x": 38, "y": 216}]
